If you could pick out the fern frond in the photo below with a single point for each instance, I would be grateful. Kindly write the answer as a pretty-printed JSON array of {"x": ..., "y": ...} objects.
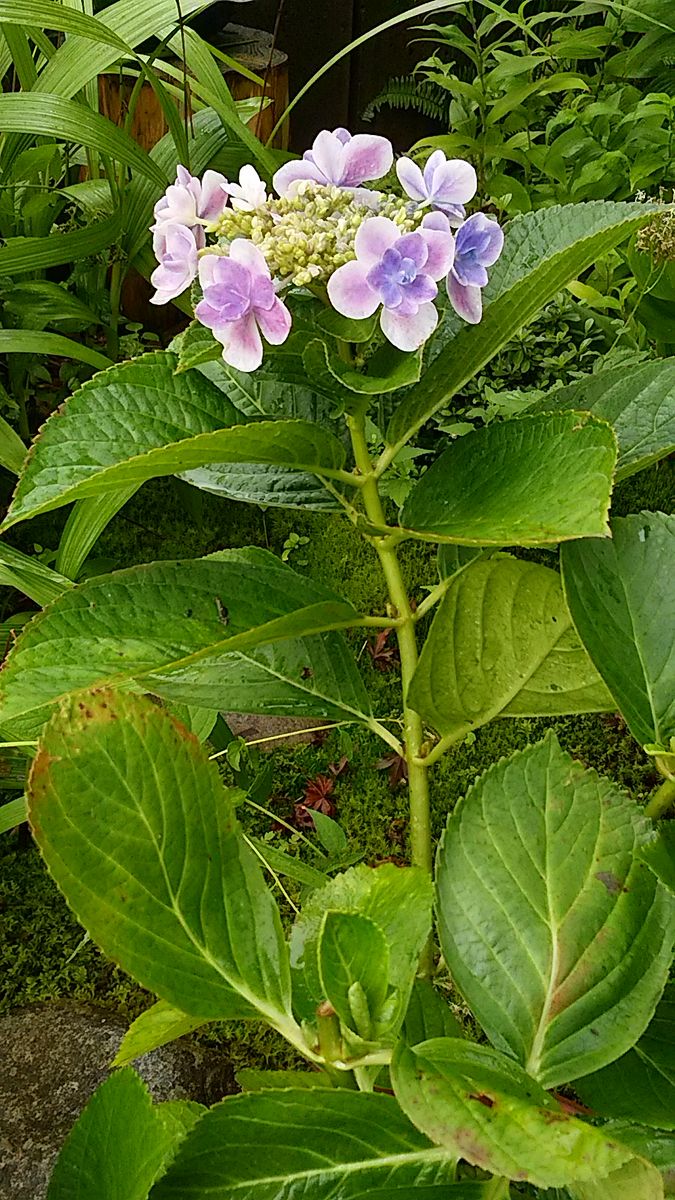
[{"x": 407, "y": 92}]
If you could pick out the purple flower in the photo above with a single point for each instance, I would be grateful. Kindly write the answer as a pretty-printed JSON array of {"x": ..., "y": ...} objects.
[
  {"x": 192, "y": 202},
  {"x": 338, "y": 159},
  {"x": 398, "y": 272},
  {"x": 175, "y": 249},
  {"x": 478, "y": 244},
  {"x": 239, "y": 303},
  {"x": 445, "y": 184}
]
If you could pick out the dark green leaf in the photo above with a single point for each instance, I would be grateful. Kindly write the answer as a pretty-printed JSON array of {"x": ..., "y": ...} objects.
[
  {"x": 556, "y": 935},
  {"x": 353, "y": 953},
  {"x": 251, "y": 1080},
  {"x": 19, "y": 255},
  {"x": 542, "y": 252},
  {"x": 226, "y": 632},
  {"x": 641, "y": 1084},
  {"x": 30, "y": 576},
  {"x": 619, "y": 593},
  {"x": 639, "y": 403},
  {"x": 519, "y": 482},
  {"x": 428, "y": 1015}
]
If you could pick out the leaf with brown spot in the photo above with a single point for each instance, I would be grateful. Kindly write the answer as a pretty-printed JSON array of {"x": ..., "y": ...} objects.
[
  {"x": 482, "y": 1106},
  {"x": 558, "y": 937}
]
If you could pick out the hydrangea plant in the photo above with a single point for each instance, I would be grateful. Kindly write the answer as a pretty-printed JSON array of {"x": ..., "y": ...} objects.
[{"x": 551, "y": 892}]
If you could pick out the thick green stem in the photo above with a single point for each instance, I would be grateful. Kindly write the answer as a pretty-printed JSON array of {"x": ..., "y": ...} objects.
[
  {"x": 420, "y": 826},
  {"x": 662, "y": 800}
]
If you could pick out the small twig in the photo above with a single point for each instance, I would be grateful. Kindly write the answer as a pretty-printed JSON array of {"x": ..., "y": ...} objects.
[{"x": 268, "y": 68}]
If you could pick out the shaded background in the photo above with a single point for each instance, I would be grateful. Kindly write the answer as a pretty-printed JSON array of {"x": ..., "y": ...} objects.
[{"x": 310, "y": 32}]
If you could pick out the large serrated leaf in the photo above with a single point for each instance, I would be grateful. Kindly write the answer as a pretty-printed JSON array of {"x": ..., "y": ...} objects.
[
  {"x": 621, "y": 594},
  {"x": 137, "y": 830},
  {"x": 481, "y": 1106},
  {"x": 543, "y": 250},
  {"x": 639, "y": 402},
  {"x": 557, "y": 936},
  {"x": 304, "y": 1143},
  {"x": 140, "y": 419},
  {"x": 521, "y": 482},
  {"x": 119, "y": 1146},
  {"x": 640, "y": 1084},
  {"x": 234, "y": 631},
  {"x": 502, "y": 644}
]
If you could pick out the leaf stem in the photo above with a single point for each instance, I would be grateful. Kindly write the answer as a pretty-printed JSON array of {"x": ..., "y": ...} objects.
[
  {"x": 498, "y": 1188},
  {"x": 420, "y": 823},
  {"x": 662, "y": 800}
]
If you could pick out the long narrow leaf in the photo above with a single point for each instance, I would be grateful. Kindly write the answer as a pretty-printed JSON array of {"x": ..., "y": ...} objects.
[
  {"x": 30, "y": 576},
  {"x": 12, "y": 449},
  {"x": 85, "y": 525},
  {"x": 20, "y": 255},
  {"x": 46, "y": 14},
  {"x": 36, "y": 341}
]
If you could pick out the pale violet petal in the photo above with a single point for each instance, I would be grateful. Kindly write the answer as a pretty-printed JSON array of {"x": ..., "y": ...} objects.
[
  {"x": 244, "y": 252},
  {"x": 454, "y": 182},
  {"x": 409, "y": 332},
  {"x": 328, "y": 153},
  {"x": 365, "y": 156},
  {"x": 467, "y": 301},
  {"x": 275, "y": 322},
  {"x": 411, "y": 179},
  {"x": 294, "y": 172},
  {"x": 350, "y": 293},
  {"x": 214, "y": 195},
  {"x": 241, "y": 342},
  {"x": 373, "y": 237},
  {"x": 207, "y": 269},
  {"x": 441, "y": 248},
  {"x": 433, "y": 163}
]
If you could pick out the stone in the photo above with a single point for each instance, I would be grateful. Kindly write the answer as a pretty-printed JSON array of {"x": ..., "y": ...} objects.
[
  {"x": 273, "y": 733},
  {"x": 54, "y": 1056}
]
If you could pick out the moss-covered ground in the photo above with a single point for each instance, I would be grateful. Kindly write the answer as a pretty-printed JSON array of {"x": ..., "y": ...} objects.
[{"x": 42, "y": 953}]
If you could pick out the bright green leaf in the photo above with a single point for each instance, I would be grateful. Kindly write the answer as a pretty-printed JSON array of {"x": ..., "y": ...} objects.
[
  {"x": 519, "y": 482},
  {"x": 556, "y": 935},
  {"x": 353, "y": 950},
  {"x": 621, "y": 594},
  {"x": 39, "y": 341},
  {"x": 502, "y": 644},
  {"x": 341, "y": 1143},
  {"x": 14, "y": 813},
  {"x": 659, "y": 854},
  {"x": 118, "y": 1147},
  {"x": 30, "y": 576},
  {"x": 158, "y": 1026},
  {"x": 136, "y": 828},
  {"x": 428, "y": 1015}
]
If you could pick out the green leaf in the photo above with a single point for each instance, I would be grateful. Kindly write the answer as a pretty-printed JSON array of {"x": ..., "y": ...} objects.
[
  {"x": 639, "y": 403},
  {"x": 256, "y": 483},
  {"x": 502, "y": 644},
  {"x": 331, "y": 835},
  {"x": 453, "y": 558},
  {"x": 654, "y": 1145},
  {"x": 158, "y": 1026},
  {"x": 347, "y": 329},
  {"x": 659, "y": 854},
  {"x": 641, "y": 1084},
  {"x": 636, "y": 1180},
  {"x": 619, "y": 593},
  {"x": 45, "y": 14},
  {"x": 346, "y": 1144},
  {"x": 543, "y": 250},
  {"x": 12, "y": 449},
  {"x": 85, "y": 525},
  {"x": 557, "y": 936},
  {"x": 139, "y": 833},
  {"x": 12, "y": 814},
  {"x": 213, "y": 632},
  {"x": 388, "y": 370},
  {"x": 428, "y": 1015},
  {"x": 23, "y": 254},
  {"x": 396, "y": 900},
  {"x": 353, "y": 952},
  {"x": 520, "y": 482},
  {"x": 480, "y": 1105},
  {"x": 119, "y": 1146},
  {"x": 55, "y": 117},
  {"x": 196, "y": 345},
  {"x": 251, "y": 1080},
  {"x": 30, "y": 576},
  {"x": 139, "y": 420},
  {"x": 288, "y": 864},
  {"x": 37, "y": 341}
]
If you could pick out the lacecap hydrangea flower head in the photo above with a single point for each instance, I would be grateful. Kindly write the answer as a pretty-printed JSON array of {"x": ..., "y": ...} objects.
[{"x": 327, "y": 228}]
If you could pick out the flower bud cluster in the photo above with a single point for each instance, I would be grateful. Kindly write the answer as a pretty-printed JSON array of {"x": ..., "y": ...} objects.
[
  {"x": 658, "y": 237},
  {"x": 305, "y": 236}
]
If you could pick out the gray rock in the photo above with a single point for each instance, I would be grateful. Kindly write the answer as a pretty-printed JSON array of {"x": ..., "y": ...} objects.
[{"x": 54, "y": 1056}]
